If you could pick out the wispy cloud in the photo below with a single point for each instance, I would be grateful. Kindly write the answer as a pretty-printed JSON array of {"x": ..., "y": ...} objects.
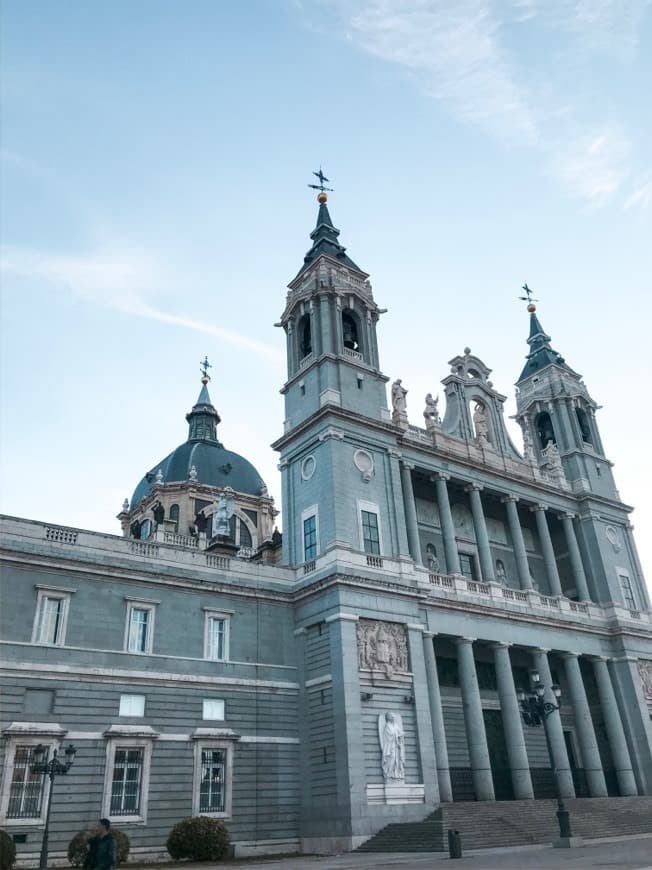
[
  {"x": 125, "y": 280},
  {"x": 459, "y": 52},
  {"x": 641, "y": 197}
]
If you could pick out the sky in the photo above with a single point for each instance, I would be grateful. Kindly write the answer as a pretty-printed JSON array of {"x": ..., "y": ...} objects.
[{"x": 155, "y": 157}]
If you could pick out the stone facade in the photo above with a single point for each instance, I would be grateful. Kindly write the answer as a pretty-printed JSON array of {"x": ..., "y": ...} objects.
[{"x": 367, "y": 673}]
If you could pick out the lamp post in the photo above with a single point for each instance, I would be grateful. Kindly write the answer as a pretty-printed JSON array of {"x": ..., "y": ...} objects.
[
  {"x": 535, "y": 711},
  {"x": 51, "y": 768}
]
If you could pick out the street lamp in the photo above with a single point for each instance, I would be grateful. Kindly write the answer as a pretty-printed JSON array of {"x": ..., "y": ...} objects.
[
  {"x": 535, "y": 711},
  {"x": 50, "y": 768}
]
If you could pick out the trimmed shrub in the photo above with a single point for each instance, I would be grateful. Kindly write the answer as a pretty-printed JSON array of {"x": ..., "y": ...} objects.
[
  {"x": 78, "y": 847},
  {"x": 7, "y": 851},
  {"x": 199, "y": 838}
]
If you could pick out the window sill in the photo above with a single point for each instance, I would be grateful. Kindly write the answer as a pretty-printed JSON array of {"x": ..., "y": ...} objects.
[{"x": 128, "y": 820}]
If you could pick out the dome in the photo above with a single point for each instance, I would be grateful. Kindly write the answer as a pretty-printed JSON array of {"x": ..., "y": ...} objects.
[{"x": 213, "y": 464}]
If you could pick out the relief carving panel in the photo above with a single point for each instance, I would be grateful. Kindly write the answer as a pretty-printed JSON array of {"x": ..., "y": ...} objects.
[{"x": 382, "y": 646}]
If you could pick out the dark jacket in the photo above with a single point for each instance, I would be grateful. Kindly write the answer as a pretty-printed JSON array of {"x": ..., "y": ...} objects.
[{"x": 101, "y": 853}]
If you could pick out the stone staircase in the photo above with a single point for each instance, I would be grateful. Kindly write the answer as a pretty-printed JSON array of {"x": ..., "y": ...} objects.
[{"x": 485, "y": 824}]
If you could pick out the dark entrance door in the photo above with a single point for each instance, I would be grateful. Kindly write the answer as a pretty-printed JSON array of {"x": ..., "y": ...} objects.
[{"x": 493, "y": 723}]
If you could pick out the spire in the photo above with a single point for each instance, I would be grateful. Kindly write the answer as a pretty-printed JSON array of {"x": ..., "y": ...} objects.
[
  {"x": 203, "y": 418},
  {"x": 541, "y": 353}
]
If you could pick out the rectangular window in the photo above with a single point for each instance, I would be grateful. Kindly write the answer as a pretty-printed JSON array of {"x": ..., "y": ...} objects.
[
  {"x": 467, "y": 566},
  {"x": 213, "y": 708},
  {"x": 216, "y": 635},
  {"x": 212, "y": 791},
  {"x": 51, "y": 616},
  {"x": 310, "y": 538},
  {"x": 370, "y": 536},
  {"x": 26, "y": 788},
  {"x": 127, "y": 779},
  {"x": 138, "y": 630},
  {"x": 132, "y": 705},
  {"x": 628, "y": 592}
]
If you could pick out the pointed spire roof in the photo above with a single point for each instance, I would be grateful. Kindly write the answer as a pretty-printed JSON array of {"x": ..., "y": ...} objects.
[
  {"x": 541, "y": 353},
  {"x": 324, "y": 240},
  {"x": 203, "y": 418}
]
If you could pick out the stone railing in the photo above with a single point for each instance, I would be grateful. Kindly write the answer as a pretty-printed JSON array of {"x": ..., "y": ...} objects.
[
  {"x": 142, "y": 549},
  {"x": 306, "y": 360},
  {"x": 179, "y": 540},
  {"x": 353, "y": 354},
  {"x": 309, "y": 567},
  {"x": 221, "y": 562},
  {"x": 61, "y": 535}
]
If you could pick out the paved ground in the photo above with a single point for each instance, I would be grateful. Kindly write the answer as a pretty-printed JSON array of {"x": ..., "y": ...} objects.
[{"x": 631, "y": 853}]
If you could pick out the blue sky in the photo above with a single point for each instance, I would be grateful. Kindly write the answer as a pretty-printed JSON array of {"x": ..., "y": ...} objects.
[{"x": 154, "y": 161}]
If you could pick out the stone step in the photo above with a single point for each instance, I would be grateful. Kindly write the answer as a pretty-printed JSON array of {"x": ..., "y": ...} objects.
[{"x": 484, "y": 824}]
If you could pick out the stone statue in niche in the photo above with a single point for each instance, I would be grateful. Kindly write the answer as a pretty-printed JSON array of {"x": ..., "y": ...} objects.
[
  {"x": 382, "y": 646},
  {"x": 392, "y": 745},
  {"x": 221, "y": 518},
  {"x": 501, "y": 574},
  {"x": 431, "y": 412},
  {"x": 481, "y": 424},
  {"x": 551, "y": 462},
  {"x": 645, "y": 672},
  {"x": 432, "y": 562},
  {"x": 528, "y": 446},
  {"x": 399, "y": 403}
]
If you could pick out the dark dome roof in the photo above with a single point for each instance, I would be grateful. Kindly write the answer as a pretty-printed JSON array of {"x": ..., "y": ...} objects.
[{"x": 215, "y": 466}]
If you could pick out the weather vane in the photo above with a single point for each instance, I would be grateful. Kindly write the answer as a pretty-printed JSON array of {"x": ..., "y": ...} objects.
[
  {"x": 528, "y": 295},
  {"x": 204, "y": 367},
  {"x": 322, "y": 178}
]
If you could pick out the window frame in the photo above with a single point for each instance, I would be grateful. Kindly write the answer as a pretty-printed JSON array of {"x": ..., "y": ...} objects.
[
  {"x": 225, "y": 746},
  {"x": 45, "y": 593},
  {"x": 625, "y": 578},
  {"x": 206, "y": 718},
  {"x": 371, "y": 508},
  {"x": 225, "y": 615},
  {"x": 113, "y": 743},
  {"x": 14, "y": 741},
  {"x": 308, "y": 514},
  {"x": 140, "y": 604},
  {"x": 129, "y": 695}
]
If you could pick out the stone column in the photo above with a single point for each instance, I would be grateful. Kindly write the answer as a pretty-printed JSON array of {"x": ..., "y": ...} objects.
[
  {"x": 437, "y": 719},
  {"x": 447, "y": 526},
  {"x": 410, "y": 511},
  {"x": 512, "y": 726},
  {"x": 635, "y": 715},
  {"x": 516, "y": 534},
  {"x": 614, "y": 727},
  {"x": 575, "y": 557},
  {"x": 325, "y": 324},
  {"x": 476, "y": 736},
  {"x": 554, "y": 730},
  {"x": 585, "y": 732},
  {"x": 548, "y": 552},
  {"x": 481, "y": 536},
  {"x": 339, "y": 340},
  {"x": 422, "y": 714}
]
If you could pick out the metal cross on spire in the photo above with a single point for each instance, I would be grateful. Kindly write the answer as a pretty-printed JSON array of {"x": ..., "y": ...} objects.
[
  {"x": 528, "y": 295},
  {"x": 204, "y": 367},
  {"x": 322, "y": 178}
]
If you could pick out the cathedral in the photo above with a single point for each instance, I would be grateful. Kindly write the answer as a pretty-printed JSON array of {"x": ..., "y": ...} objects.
[{"x": 369, "y": 664}]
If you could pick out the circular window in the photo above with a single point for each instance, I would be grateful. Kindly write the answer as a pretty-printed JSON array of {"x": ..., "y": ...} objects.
[{"x": 308, "y": 467}]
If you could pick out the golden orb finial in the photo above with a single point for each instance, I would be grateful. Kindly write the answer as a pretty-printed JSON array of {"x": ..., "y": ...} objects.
[
  {"x": 322, "y": 198},
  {"x": 531, "y": 308},
  {"x": 205, "y": 379}
]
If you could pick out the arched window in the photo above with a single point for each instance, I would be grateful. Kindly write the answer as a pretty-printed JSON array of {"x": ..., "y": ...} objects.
[
  {"x": 350, "y": 334},
  {"x": 305, "y": 337},
  {"x": 174, "y": 516},
  {"x": 543, "y": 426},
  {"x": 245, "y": 535},
  {"x": 585, "y": 429}
]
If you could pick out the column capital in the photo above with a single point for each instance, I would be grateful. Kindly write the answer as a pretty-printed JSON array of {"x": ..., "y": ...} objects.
[
  {"x": 539, "y": 507},
  {"x": 478, "y": 487},
  {"x": 465, "y": 640},
  {"x": 430, "y": 634},
  {"x": 510, "y": 498},
  {"x": 500, "y": 644},
  {"x": 440, "y": 475},
  {"x": 392, "y": 451},
  {"x": 345, "y": 617},
  {"x": 569, "y": 655},
  {"x": 408, "y": 466},
  {"x": 415, "y": 626},
  {"x": 566, "y": 515},
  {"x": 541, "y": 649},
  {"x": 598, "y": 658}
]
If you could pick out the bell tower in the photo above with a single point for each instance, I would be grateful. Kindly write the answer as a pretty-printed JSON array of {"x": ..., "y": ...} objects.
[
  {"x": 339, "y": 461},
  {"x": 557, "y": 416}
]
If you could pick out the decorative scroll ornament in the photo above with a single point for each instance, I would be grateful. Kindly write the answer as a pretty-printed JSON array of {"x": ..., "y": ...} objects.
[
  {"x": 392, "y": 744},
  {"x": 382, "y": 646},
  {"x": 645, "y": 672}
]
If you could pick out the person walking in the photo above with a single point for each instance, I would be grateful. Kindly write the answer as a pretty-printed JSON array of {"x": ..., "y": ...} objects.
[{"x": 101, "y": 848}]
